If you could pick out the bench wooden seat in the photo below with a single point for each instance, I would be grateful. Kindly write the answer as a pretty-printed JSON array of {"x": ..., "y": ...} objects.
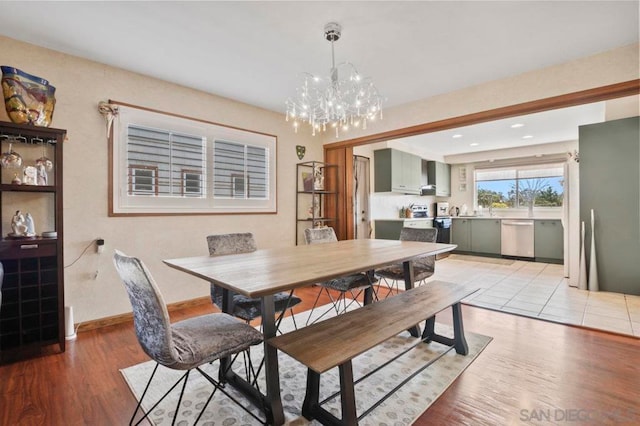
[{"x": 336, "y": 341}]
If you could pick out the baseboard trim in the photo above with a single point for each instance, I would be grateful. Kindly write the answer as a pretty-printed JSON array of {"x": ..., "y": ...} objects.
[{"x": 128, "y": 317}]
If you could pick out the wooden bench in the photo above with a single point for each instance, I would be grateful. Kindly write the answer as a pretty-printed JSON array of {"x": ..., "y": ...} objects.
[{"x": 336, "y": 341}]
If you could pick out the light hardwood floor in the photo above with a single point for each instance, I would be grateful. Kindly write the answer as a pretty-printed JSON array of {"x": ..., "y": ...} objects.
[{"x": 531, "y": 369}]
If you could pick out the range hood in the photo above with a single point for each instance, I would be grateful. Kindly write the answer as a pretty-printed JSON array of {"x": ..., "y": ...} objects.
[{"x": 428, "y": 190}]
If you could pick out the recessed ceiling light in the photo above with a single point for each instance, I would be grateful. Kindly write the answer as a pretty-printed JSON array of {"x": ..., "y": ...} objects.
[
  {"x": 474, "y": 144},
  {"x": 517, "y": 125},
  {"x": 527, "y": 137},
  {"x": 457, "y": 136}
]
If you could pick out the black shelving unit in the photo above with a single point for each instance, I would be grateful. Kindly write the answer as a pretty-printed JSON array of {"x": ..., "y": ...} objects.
[
  {"x": 32, "y": 310},
  {"x": 316, "y": 202}
]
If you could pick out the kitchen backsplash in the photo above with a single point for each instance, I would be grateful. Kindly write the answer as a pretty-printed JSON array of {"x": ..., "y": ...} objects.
[{"x": 386, "y": 206}]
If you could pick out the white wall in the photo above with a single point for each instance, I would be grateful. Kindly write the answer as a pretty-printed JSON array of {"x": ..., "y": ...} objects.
[{"x": 81, "y": 84}]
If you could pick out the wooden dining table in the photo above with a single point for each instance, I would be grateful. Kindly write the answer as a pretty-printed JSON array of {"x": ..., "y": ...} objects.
[{"x": 264, "y": 272}]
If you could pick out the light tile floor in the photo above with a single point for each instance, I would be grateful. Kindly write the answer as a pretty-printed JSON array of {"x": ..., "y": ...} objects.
[{"x": 539, "y": 290}]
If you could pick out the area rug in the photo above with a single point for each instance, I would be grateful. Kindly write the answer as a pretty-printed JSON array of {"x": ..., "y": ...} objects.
[
  {"x": 481, "y": 259},
  {"x": 402, "y": 408}
]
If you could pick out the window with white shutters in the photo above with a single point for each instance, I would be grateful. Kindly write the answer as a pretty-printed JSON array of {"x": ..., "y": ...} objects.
[{"x": 163, "y": 164}]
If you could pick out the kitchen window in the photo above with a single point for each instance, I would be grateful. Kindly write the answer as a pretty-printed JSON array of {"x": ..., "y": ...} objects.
[
  {"x": 163, "y": 164},
  {"x": 520, "y": 187}
]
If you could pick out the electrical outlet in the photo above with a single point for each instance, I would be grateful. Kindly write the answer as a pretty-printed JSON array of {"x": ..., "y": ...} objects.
[{"x": 99, "y": 247}]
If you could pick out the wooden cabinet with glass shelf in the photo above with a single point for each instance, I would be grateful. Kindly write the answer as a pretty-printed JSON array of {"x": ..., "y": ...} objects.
[
  {"x": 32, "y": 309},
  {"x": 316, "y": 202}
]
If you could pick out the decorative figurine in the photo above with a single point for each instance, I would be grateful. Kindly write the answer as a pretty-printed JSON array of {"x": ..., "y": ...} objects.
[
  {"x": 31, "y": 226},
  {"x": 318, "y": 178},
  {"x": 18, "y": 226},
  {"x": 16, "y": 180},
  {"x": 30, "y": 176}
]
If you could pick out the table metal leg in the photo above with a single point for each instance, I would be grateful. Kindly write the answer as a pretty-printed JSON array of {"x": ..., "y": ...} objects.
[
  {"x": 369, "y": 291},
  {"x": 271, "y": 402},
  {"x": 408, "y": 285},
  {"x": 271, "y": 361}
]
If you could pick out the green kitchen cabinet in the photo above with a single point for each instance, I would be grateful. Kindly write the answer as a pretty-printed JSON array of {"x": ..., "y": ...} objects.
[
  {"x": 388, "y": 229},
  {"x": 461, "y": 234},
  {"x": 610, "y": 186},
  {"x": 397, "y": 171},
  {"x": 548, "y": 240},
  {"x": 485, "y": 236},
  {"x": 439, "y": 174}
]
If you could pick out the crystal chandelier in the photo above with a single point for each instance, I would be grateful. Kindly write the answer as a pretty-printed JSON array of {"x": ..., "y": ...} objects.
[{"x": 343, "y": 100}]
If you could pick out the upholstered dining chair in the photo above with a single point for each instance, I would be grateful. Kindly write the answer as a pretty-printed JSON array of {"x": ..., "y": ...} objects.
[
  {"x": 184, "y": 345},
  {"x": 352, "y": 284},
  {"x": 423, "y": 267},
  {"x": 241, "y": 306}
]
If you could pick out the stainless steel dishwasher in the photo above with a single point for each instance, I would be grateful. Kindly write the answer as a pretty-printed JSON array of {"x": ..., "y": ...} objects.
[{"x": 517, "y": 237}]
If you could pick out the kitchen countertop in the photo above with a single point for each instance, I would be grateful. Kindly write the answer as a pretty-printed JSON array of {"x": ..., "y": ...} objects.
[
  {"x": 406, "y": 218},
  {"x": 505, "y": 218}
]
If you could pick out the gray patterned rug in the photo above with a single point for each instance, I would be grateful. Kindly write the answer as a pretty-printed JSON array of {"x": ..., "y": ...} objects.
[{"x": 402, "y": 408}]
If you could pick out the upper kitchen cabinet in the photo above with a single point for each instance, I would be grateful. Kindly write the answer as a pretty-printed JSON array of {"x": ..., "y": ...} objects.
[
  {"x": 439, "y": 179},
  {"x": 397, "y": 171}
]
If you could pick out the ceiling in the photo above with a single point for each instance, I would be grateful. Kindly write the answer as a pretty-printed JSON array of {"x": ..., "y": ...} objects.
[
  {"x": 543, "y": 127},
  {"x": 253, "y": 52}
]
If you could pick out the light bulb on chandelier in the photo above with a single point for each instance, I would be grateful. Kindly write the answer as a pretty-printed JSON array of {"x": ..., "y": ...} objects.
[{"x": 335, "y": 101}]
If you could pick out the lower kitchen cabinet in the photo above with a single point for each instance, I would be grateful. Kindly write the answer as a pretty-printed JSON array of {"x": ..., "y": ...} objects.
[
  {"x": 480, "y": 236},
  {"x": 461, "y": 234},
  {"x": 548, "y": 240},
  {"x": 390, "y": 229},
  {"x": 485, "y": 236}
]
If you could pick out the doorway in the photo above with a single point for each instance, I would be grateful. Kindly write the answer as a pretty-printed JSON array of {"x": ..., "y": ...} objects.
[{"x": 361, "y": 189}]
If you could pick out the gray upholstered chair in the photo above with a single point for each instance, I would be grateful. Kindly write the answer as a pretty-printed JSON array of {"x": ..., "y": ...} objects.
[
  {"x": 184, "y": 345},
  {"x": 352, "y": 284},
  {"x": 423, "y": 267},
  {"x": 241, "y": 306}
]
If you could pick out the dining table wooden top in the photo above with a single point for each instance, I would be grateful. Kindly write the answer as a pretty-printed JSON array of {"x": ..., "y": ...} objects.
[{"x": 268, "y": 271}]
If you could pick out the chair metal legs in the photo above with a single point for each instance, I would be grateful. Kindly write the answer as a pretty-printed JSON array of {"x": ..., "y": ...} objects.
[
  {"x": 250, "y": 372},
  {"x": 339, "y": 304},
  {"x": 393, "y": 286},
  {"x": 184, "y": 378}
]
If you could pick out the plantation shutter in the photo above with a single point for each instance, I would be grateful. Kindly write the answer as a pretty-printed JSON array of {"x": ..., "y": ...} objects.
[
  {"x": 165, "y": 164},
  {"x": 240, "y": 171}
]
